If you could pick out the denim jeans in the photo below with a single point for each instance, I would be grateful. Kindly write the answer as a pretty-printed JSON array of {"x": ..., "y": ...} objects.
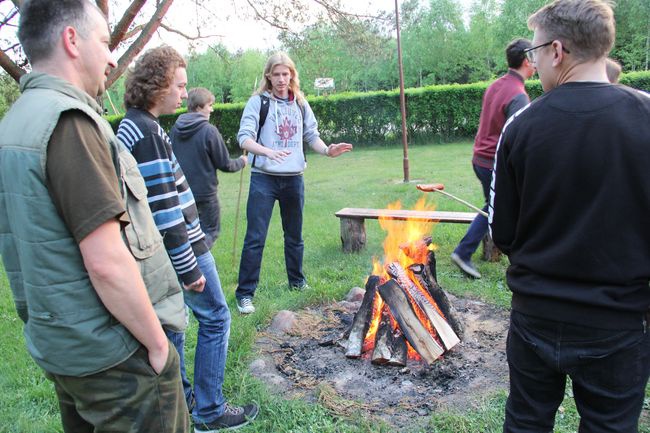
[
  {"x": 210, "y": 217},
  {"x": 608, "y": 368},
  {"x": 211, "y": 311},
  {"x": 479, "y": 227},
  {"x": 265, "y": 189}
]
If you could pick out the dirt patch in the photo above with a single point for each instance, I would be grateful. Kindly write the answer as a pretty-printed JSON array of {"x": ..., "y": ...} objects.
[{"x": 308, "y": 361}]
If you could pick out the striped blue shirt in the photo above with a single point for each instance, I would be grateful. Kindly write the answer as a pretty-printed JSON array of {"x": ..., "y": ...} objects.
[{"x": 168, "y": 193}]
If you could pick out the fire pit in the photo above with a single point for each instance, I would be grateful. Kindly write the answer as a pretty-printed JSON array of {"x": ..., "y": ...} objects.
[{"x": 303, "y": 353}]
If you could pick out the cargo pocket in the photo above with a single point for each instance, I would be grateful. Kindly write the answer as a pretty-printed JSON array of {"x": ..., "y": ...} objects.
[{"x": 142, "y": 234}]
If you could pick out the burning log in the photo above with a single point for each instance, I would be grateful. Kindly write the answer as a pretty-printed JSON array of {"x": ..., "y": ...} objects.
[
  {"x": 446, "y": 333},
  {"x": 423, "y": 275},
  {"x": 390, "y": 345},
  {"x": 361, "y": 321},
  {"x": 414, "y": 331}
]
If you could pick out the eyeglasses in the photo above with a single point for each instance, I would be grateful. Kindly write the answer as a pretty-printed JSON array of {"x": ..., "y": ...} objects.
[{"x": 530, "y": 52}]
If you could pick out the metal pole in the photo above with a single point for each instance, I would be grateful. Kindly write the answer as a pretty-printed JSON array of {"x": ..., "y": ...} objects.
[{"x": 402, "y": 98}]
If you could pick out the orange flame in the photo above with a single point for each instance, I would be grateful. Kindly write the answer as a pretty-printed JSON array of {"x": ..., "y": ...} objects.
[{"x": 400, "y": 235}]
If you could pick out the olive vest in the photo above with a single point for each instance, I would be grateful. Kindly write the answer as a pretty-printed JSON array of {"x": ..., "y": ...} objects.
[{"x": 67, "y": 329}]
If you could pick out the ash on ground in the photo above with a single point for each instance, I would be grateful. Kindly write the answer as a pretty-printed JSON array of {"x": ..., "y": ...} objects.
[{"x": 302, "y": 355}]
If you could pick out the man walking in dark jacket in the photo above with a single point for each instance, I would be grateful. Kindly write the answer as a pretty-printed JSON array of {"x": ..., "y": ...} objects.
[
  {"x": 569, "y": 206},
  {"x": 200, "y": 150},
  {"x": 502, "y": 99}
]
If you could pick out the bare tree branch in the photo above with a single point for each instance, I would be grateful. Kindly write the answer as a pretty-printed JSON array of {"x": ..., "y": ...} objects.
[
  {"x": 121, "y": 28},
  {"x": 10, "y": 16},
  {"x": 135, "y": 48},
  {"x": 103, "y": 6},
  {"x": 186, "y": 36},
  {"x": 8, "y": 65},
  {"x": 17, "y": 3},
  {"x": 275, "y": 23}
]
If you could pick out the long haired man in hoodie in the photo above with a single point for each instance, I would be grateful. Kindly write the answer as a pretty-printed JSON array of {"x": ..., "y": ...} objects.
[
  {"x": 200, "y": 150},
  {"x": 276, "y": 171}
]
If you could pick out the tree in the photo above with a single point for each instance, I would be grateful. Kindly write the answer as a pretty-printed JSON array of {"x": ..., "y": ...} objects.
[
  {"x": 124, "y": 30},
  {"x": 632, "y": 46}
]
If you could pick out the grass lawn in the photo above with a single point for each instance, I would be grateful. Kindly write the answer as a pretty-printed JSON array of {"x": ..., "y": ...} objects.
[{"x": 367, "y": 177}]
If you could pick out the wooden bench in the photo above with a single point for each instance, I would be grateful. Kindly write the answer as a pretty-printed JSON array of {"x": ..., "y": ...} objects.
[{"x": 353, "y": 230}]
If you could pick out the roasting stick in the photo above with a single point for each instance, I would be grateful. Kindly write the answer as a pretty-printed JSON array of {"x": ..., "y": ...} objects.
[{"x": 438, "y": 187}]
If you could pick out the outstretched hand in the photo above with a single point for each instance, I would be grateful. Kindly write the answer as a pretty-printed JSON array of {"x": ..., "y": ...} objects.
[
  {"x": 278, "y": 155},
  {"x": 336, "y": 149}
]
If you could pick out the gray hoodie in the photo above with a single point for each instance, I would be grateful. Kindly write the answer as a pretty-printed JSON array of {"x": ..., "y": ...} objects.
[{"x": 286, "y": 127}]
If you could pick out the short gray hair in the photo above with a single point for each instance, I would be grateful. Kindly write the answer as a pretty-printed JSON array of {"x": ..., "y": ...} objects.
[
  {"x": 586, "y": 27},
  {"x": 42, "y": 21}
]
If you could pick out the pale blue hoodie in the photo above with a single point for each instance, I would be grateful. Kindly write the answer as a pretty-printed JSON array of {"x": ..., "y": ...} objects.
[{"x": 286, "y": 127}]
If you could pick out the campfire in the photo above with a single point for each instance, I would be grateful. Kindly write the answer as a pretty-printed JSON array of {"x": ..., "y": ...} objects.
[{"x": 404, "y": 312}]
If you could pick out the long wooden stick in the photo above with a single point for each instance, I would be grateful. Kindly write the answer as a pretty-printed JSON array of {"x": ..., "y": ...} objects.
[
  {"x": 234, "y": 237},
  {"x": 438, "y": 188}
]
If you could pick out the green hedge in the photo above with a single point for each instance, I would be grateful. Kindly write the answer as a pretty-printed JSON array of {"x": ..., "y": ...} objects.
[{"x": 435, "y": 112}]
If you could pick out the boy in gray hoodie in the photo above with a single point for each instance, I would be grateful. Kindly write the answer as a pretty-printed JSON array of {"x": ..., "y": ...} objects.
[
  {"x": 276, "y": 142},
  {"x": 200, "y": 150}
]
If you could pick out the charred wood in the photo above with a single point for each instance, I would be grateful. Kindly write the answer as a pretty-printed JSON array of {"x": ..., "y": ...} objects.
[
  {"x": 414, "y": 331},
  {"x": 390, "y": 345},
  {"x": 444, "y": 330},
  {"x": 426, "y": 280},
  {"x": 362, "y": 319}
]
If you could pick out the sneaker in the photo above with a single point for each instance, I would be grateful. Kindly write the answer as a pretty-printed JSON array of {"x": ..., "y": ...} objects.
[
  {"x": 245, "y": 305},
  {"x": 466, "y": 266},
  {"x": 301, "y": 287},
  {"x": 232, "y": 418}
]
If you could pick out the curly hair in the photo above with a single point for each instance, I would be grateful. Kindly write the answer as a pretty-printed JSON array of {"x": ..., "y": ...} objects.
[{"x": 147, "y": 82}]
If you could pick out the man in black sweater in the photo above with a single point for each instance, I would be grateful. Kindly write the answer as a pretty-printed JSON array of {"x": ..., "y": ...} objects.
[{"x": 569, "y": 205}]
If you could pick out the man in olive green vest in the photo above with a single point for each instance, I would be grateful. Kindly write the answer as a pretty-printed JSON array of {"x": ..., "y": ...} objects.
[{"x": 83, "y": 256}]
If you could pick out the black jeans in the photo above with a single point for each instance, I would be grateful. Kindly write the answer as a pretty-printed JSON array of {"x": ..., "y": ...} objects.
[
  {"x": 608, "y": 368},
  {"x": 210, "y": 218},
  {"x": 265, "y": 190}
]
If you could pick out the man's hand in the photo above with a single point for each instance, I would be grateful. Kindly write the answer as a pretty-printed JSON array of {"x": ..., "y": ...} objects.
[
  {"x": 277, "y": 155},
  {"x": 158, "y": 358},
  {"x": 196, "y": 286},
  {"x": 245, "y": 159},
  {"x": 336, "y": 149}
]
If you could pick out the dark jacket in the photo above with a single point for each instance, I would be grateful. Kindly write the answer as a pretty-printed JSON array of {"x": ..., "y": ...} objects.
[
  {"x": 570, "y": 205},
  {"x": 200, "y": 151}
]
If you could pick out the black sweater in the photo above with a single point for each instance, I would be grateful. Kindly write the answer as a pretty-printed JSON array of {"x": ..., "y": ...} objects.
[
  {"x": 200, "y": 151},
  {"x": 570, "y": 205}
]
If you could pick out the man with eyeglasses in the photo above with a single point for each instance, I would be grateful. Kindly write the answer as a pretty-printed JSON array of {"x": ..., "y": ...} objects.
[
  {"x": 502, "y": 99},
  {"x": 569, "y": 206}
]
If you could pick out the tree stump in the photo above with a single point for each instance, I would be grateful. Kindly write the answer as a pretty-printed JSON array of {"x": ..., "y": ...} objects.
[
  {"x": 490, "y": 251},
  {"x": 353, "y": 234}
]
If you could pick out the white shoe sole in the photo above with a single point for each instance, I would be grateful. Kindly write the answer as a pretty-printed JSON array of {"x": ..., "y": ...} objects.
[{"x": 468, "y": 270}]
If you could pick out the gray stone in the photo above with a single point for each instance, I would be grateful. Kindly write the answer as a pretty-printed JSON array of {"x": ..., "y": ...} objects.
[
  {"x": 282, "y": 322},
  {"x": 355, "y": 294}
]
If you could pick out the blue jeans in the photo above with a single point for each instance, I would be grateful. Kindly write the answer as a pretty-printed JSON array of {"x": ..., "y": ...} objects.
[
  {"x": 609, "y": 371},
  {"x": 211, "y": 311},
  {"x": 265, "y": 189},
  {"x": 479, "y": 227}
]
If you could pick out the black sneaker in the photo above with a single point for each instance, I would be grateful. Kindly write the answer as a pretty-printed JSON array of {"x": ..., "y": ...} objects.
[{"x": 232, "y": 418}]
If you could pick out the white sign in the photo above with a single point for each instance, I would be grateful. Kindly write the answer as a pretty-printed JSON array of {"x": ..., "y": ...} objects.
[{"x": 324, "y": 83}]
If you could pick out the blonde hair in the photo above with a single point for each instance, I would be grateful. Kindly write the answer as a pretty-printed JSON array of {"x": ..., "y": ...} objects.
[
  {"x": 281, "y": 59},
  {"x": 198, "y": 97},
  {"x": 586, "y": 27}
]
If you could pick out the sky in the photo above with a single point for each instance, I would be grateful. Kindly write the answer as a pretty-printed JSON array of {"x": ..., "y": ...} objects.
[
  {"x": 229, "y": 22},
  {"x": 236, "y": 27}
]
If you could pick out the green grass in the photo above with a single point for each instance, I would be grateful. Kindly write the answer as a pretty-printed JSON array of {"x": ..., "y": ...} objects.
[{"x": 367, "y": 177}]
